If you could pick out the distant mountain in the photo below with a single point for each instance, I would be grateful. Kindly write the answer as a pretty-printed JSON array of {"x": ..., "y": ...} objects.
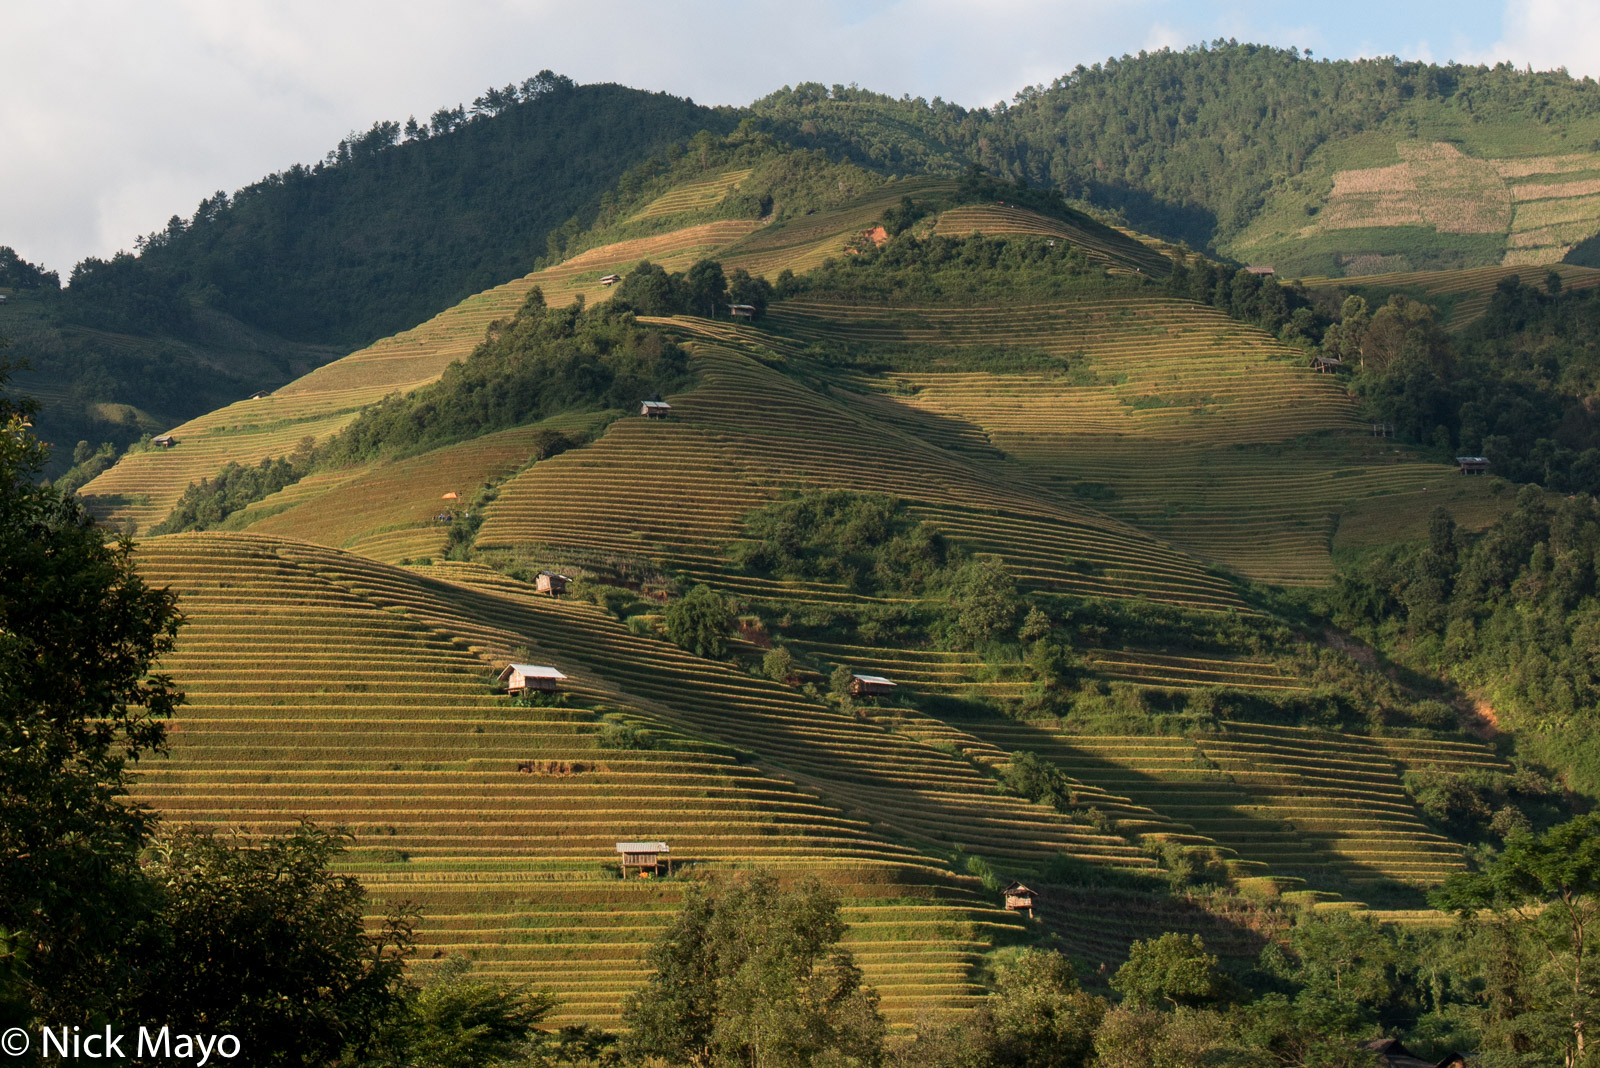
[
  {"x": 1265, "y": 155},
  {"x": 1256, "y": 154}
]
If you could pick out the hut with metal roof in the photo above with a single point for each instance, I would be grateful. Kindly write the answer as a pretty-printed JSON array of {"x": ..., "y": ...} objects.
[
  {"x": 647, "y": 858},
  {"x": 655, "y": 409},
  {"x": 531, "y": 678}
]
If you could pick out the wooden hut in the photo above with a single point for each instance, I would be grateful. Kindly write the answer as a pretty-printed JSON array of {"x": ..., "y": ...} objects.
[
  {"x": 258, "y": 394},
  {"x": 163, "y": 441},
  {"x": 1323, "y": 364},
  {"x": 551, "y": 583},
  {"x": 531, "y": 678},
  {"x": 741, "y": 311},
  {"x": 870, "y": 686},
  {"x": 1019, "y": 898},
  {"x": 654, "y": 409},
  {"x": 610, "y": 280},
  {"x": 1472, "y": 465},
  {"x": 650, "y": 858}
]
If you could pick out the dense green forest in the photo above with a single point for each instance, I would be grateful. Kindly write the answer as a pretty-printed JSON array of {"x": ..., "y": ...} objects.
[
  {"x": 261, "y": 286},
  {"x": 401, "y": 220},
  {"x": 1511, "y": 616},
  {"x": 1186, "y": 144},
  {"x": 545, "y": 361}
]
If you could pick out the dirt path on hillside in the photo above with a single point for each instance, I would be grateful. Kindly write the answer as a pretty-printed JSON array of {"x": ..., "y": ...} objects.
[{"x": 1479, "y": 718}]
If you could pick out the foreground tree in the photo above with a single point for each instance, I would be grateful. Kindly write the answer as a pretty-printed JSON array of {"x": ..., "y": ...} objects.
[
  {"x": 1174, "y": 969},
  {"x": 460, "y": 1021},
  {"x": 1543, "y": 891},
  {"x": 79, "y": 633},
  {"x": 264, "y": 942},
  {"x": 1039, "y": 1017},
  {"x": 751, "y": 974}
]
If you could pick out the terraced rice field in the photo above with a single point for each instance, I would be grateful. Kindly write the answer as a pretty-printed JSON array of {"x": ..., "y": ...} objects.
[
  {"x": 1303, "y": 803},
  {"x": 676, "y": 490},
  {"x": 1471, "y": 287},
  {"x": 142, "y": 488},
  {"x": 694, "y": 196},
  {"x": 803, "y": 242},
  {"x": 1103, "y": 244},
  {"x": 964, "y": 674},
  {"x": 674, "y": 250},
  {"x": 1543, "y": 204},
  {"x": 325, "y": 686},
  {"x": 391, "y": 511},
  {"x": 1164, "y": 414}
]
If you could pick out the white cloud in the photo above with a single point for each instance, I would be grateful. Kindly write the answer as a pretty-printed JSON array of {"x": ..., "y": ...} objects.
[{"x": 1546, "y": 35}]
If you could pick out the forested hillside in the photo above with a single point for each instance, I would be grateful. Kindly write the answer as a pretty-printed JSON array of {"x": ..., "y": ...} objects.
[
  {"x": 256, "y": 288},
  {"x": 1265, "y": 154}
]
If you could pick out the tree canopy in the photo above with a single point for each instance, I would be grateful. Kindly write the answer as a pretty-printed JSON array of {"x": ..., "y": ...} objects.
[{"x": 751, "y": 973}]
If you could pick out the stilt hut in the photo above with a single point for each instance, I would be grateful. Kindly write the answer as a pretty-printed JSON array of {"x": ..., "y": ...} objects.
[
  {"x": 1472, "y": 465},
  {"x": 648, "y": 858},
  {"x": 654, "y": 409},
  {"x": 524, "y": 679},
  {"x": 551, "y": 583},
  {"x": 163, "y": 441},
  {"x": 1019, "y": 898}
]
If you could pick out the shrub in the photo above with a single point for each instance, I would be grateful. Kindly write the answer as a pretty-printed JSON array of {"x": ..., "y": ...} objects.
[{"x": 700, "y": 622}]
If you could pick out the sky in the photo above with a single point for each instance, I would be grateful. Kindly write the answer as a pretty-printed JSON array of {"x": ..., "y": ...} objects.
[{"x": 114, "y": 115}]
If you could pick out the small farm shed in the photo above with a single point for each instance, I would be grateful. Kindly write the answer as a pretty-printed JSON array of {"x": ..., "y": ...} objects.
[
  {"x": 1472, "y": 465},
  {"x": 742, "y": 311},
  {"x": 1391, "y": 1054},
  {"x": 1259, "y": 270},
  {"x": 258, "y": 394},
  {"x": 651, "y": 858},
  {"x": 610, "y": 280},
  {"x": 1322, "y": 364},
  {"x": 163, "y": 441},
  {"x": 550, "y": 582},
  {"x": 531, "y": 678},
  {"x": 870, "y": 686},
  {"x": 654, "y": 409},
  {"x": 1019, "y": 898}
]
